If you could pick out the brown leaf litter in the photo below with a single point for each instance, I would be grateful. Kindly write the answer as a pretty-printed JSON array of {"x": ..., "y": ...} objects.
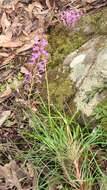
[
  {"x": 13, "y": 176},
  {"x": 17, "y": 23}
]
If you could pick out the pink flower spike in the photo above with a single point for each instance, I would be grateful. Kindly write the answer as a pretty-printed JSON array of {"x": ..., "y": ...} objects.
[
  {"x": 35, "y": 55},
  {"x": 70, "y": 16},
  {"x": 39, "y": 59},
  {"x": 35, "y": 48},
  {"x": 44, "y": 42},
  {"x": 45, "y": 52}
]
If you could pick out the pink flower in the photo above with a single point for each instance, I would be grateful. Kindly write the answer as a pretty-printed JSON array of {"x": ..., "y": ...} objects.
[
  {"x": 69, "y": 17},
  {"x": 44, "y": 42},
  {"x": 38, "y": 58}
]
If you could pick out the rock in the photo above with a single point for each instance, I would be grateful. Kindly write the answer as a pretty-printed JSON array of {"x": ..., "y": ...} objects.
[
  {"x": 88, "y": 70},
  {"x": 79, "y": 64}
]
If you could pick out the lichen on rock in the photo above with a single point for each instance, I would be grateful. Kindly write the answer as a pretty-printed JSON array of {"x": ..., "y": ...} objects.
[{"x": 89, "y": 73}]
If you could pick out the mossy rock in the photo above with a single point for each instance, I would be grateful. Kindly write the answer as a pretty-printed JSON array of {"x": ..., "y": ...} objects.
[{"x": 63, "y": 41}]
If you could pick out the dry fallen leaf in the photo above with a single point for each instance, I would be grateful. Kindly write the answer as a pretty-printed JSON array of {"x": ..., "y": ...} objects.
[
  {"x": 30, "y": 9},
  {"x": 4, "y": 116},
  {"x": 5, "y": 75},
  {"x": 4, "y": 54},
  {"x": 5, "y": 94},
  {"x": 11, "y": 44},
  {"x": 24, "y": 70},
  {"x": 34, "y": 9},
  {"x": 2, "y": 173},
  {"x": 5, "y": 23},
  {"x": 89, "y": 1},
  {"x": 25, "y": 47},
  {"x": 31, "y": 170},
  {"x": 16, "y": 27},
  {"x": 7, "y": 60},
  {"x": 48, "y": 4},
  {"x": 28, "y": 27},
  {"x": 8, "y": 171},
  {"x": 13, "y": 175},
  {"x": 1, "y": 2},
  {"x": 4, "y": 39}
]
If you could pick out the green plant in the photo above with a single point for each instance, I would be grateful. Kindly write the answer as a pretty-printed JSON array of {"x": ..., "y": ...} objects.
[
  {"x": 100, "y": 113},
  {"x": 94, "y": 91},
  {"x": 64, "y": 152}
]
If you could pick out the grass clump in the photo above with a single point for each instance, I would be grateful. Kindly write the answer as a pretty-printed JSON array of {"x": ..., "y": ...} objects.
[
  {"x": 65, "y": 154},
  {"x": 100, "y": 113}
]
